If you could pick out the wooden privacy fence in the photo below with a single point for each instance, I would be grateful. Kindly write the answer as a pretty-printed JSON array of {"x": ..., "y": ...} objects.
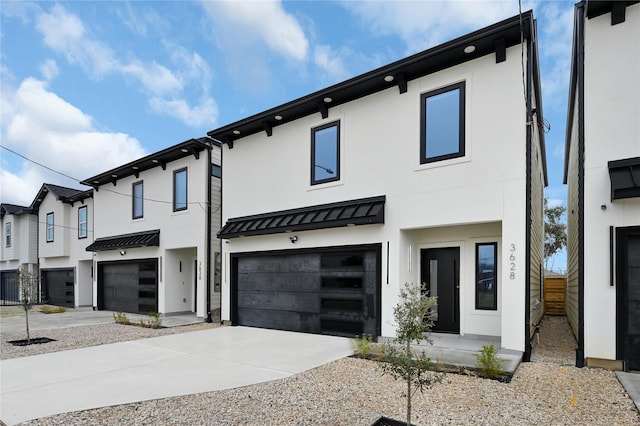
[{"x": 555, "y": 294}]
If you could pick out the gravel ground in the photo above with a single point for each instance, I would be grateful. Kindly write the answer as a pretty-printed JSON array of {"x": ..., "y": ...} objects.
[{"x": 546, "y": 391}]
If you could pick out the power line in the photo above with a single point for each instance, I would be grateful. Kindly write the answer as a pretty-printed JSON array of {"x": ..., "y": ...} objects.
[{"x": 200, "y": 203}]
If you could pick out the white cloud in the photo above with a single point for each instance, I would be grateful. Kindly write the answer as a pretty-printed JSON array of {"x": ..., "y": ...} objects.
[
  {"x": 250, "y": 23},
  {"x": 49, "y": 69},
  {"x": 332, "y": 62},
  {"x": 199, "y": 115},
  {"x": 45, "y": 128},
  {"x": 65, "y": 33},
  {"x": 422, "y": 25}
]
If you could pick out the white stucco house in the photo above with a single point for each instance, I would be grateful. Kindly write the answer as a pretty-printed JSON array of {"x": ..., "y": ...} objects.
[
  {"x": 65, "y": 229},
  {"x": 602, "y": 173},
  {"x": 152, "y": 220},
  {"x": 429, "y": 169},
  {"x": 19, "y": 248}
]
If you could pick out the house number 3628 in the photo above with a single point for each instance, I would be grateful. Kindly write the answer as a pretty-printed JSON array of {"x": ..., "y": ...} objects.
[{"x": 512, "y": 262}]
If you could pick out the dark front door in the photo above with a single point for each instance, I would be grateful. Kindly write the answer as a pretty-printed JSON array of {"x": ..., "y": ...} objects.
[
  {"x": 440, "y": 271},
  {"x": 628, "y": 282}
]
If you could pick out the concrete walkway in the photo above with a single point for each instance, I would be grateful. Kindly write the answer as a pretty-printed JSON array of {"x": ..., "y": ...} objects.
[
  {"x": 631, "y": 383},
  {"x": 160, "y": 367}
]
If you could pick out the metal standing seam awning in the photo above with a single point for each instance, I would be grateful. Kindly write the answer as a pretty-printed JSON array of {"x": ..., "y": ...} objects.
[
  {"x": 625, "y": 178},
  {"x": 124, "y": 241},
  {"x": 363, "y": 211}
]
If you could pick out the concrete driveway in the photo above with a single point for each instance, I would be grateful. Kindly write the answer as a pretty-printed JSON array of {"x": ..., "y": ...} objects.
[{"x": 159, "y": 367}]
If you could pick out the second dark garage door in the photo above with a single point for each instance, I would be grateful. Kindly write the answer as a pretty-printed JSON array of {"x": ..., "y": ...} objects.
[
  {"x": 57, "y": 285},
  {"x": 332, "y": 291},
  {"x": 130, "y": 286}
]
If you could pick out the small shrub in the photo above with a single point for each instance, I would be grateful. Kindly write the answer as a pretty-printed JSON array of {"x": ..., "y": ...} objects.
[
  {"x": 362, "y": 345},
  {"x": 488, "y": 361},
  {"x": 53, "y": 310},
  {"x": 121, "y": 318},
  {"x": 155, "y": 320}
]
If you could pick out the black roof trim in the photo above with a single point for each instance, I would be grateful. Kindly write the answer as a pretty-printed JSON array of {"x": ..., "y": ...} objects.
[
  {"x": 14, "y": 209},
  {"x": 124, "y": 241},
  {"x": 62, "y": 193},
  {"x": 364, "y": 211},
  {"x": 424, "y": 63},
  {"x": 160, "y": 158},
  {"x": 625, "y": 178},
  {"x": 597, "y": 8}
]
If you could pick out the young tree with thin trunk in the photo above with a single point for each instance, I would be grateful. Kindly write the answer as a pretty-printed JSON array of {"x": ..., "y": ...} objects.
[
  {"x": 28, "y": 282},
  {"x": 414, "y": 317}
]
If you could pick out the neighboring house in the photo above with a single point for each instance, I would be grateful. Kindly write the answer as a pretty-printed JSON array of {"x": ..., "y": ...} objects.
[
  {"x": 19, "y": 248},
  {"x": 151, "y": 222},
  {"x": 65, "y": 229},
  {"x": 428, "y": 169},
  {"x": 602, "y": 172}
]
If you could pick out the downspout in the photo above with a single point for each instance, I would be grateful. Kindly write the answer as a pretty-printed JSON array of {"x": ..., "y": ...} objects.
[
  {"x": 580, "y": 81},
  {"x": 526, "y": 357},
  {"x": 209, "y": 320}
]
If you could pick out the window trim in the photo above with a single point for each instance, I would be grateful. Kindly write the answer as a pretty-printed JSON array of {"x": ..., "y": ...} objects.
[
  {"x": 50, "y": 227},
  {"x": 86, "y": 222},
  {"x": 7, "y": 235},
  {"x": 312, "y": 167},
  {"x": 461, "y": 123},
  {"x": 139, "y": 183},
  {"x": 495, "y": 272},
  {"x": 186, "y": 189}
]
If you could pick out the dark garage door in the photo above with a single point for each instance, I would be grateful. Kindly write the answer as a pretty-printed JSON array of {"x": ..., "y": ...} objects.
[
  {"x": 9, "y": 293},
  {"x": 325, "y": 292},
  {"x": 57, "y": 285},
  {"x": 128, "y": 286}
]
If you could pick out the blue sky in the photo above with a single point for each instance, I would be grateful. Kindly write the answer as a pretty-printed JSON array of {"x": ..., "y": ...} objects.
[{"x": 86, "y": 86}]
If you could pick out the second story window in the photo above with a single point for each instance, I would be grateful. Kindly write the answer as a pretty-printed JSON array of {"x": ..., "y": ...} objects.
[
  {"x": 82, "y": 222},
  {"x": 442, "y": 124},
  {"x": 216, "y": 171},
  {"x": 7, "y": 234},
  {"x": 49, "y": 227},
  {"x": 180, "y": 190},
  {"x": 137, "y": 198},
  {"x": 325, "y": 153}
]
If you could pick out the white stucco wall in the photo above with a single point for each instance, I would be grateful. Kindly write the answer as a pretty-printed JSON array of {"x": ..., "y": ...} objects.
[
  {"x": 184, "y": 229},
  {"x": 612, "y": 132},
  {"x": 480, "y": 196},
  {"x": 24, "y": 241},
  {"x": 67, "y": 250}
]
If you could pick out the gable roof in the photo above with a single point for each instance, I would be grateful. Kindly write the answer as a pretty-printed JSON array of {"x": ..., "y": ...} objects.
[
  {"x": 492, "y": 39},
  {"x": 14, "y": 209},
  {"x": 62, "y": 193},
  {"x": 157, "y": 159}
]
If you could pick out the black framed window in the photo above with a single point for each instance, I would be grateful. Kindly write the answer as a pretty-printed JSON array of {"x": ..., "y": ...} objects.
[
  {"x": 7, "y": 234},
  {"x": 137, "y": 199},
  {"x": 442, "y": 124},
  {"x": 325, "y": 153},
  {"x": 216, "y": 171},
  {"x": 486, "y": 276},
  {"x": 50, "y": 222},
  {"x": 82, "y": 222},
  {"x": 180, "y": 190}
]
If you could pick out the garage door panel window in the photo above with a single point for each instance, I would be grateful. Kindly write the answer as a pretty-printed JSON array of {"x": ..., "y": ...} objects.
[{"x": 341, "y": 282}]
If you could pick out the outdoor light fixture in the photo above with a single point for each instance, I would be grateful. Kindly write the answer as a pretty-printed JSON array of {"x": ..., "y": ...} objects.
[
  {"x": 293, "y": 239},
  {"x": 123, "y": 252}
]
